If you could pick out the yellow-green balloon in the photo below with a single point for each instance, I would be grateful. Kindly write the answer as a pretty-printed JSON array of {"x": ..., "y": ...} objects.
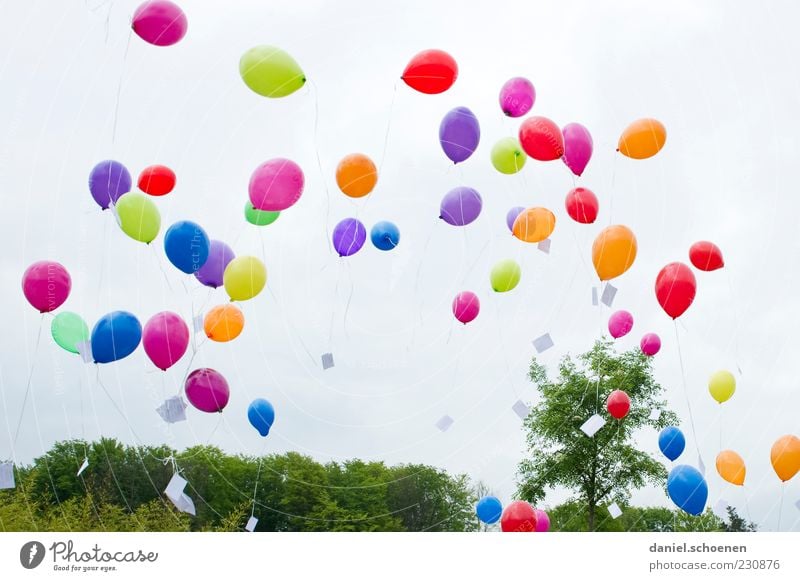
[
  {"x": 244, "y": 277},
  {"x": 259, "y": 217},
  {"x": 722, "y": 385},
  {"x": 505, "y": 275},
  {"x": 508, "y": 156},
  {"x": 271, "y": 72},
  {"x": 138, "y": 217},
  {"x": 68, "y": 329}
]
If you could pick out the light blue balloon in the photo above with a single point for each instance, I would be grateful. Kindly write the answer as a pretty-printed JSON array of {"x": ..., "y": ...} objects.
[
  {"x": 261, "y": 415},
  {"x": 115, "y": 336},
  {"x": 688, "y": 489},
  {"x": 385, "y": 235},
  {"x": 671, "y": 442},
  {"x": 187, "y": 246},
  {"x": 489, "y": 509}
]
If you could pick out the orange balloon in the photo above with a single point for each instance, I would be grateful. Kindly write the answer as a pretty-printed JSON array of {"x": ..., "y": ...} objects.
[
  {"x": 642, "y": 139},
  {"x": 356, "y": 175},
  {"x": 785, "y": 457},
  {"x": 613, "y": 251},
  {"x": 223, "y": 323},
  {"x": 731, "y": 467},
  {"x": 534, "y": 224}
]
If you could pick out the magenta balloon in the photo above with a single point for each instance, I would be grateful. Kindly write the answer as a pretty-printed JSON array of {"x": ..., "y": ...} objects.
[
  {"x": 276, "y": 185},
  {"x": 517, "y": 97},
  {"x": 460, "y": 206},
  {"x": 578, "y": 147},
  {"x": 466, "y": 306},
  {"x": 207, "y": 390},
  {"x": 650, "y": 344},
  {"x": 459, "y": 134},
  {"x": 542, "y": 521},
  {"x": 219, "y": 255},
  {"x": 160, "y": 22},
  {"x": 46, "y": 285},
  {"x": 165, "y": 338},
  {"x": 512, "y": 215},
  {"x": 620, "y": 324}
]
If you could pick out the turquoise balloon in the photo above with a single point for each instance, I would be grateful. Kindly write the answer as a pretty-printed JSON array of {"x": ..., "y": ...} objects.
[{"x": 68, "y": 330}]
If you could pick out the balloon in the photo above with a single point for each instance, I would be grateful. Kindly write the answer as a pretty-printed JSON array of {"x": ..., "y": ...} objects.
[
  {"x": 69, "y": 329},
  {"x": 721, "y": 386},
  {"x": 108, "y": 181},
  {"x": 675, "y": 288},
  {"x": 466, "y": 306},
  {"x": 688, "y": 489},
  {"x": 512, "y": 216},
  {"x": 207, "y": 390},
  {"x": 431, "y": 72},
  {"x": 213, "y": 271},
  {"x": 671, "y": 442},
  {"x": 489, "y": 509},
  {"x": 518, "y": 517},
  {"x": 223, "y": 323},
  {"x": 706, "y": 256},
  {"x": 46, "y": 285},
  {"x": 582, "y": 205},
  {"x": 505, "y": 275},
  {"x": 160, "y": 22},
  {"x": 276, "y": 184},
  {"x": 541, "y": 139},
  {"x": 157, "y": 180},
  {"x": 460, "y": 206},
  {"x": 459, "y": 134},
  {"x": 517, "y": 96},
  {"x": 270, "y": 72},
  {"x": 785, "y": 457},
  {"x": 138, "y": 217},
  {"x": 534, "y": 224},
  {"x": 356, "y": 175},
  {"x": 259, "y": 217},
  {"x": 115, "y": 336},
  {"x": 507, "y": 156},
  {"x": 187, "y": 246},
  {"x": 165, "y": 339},
  {"x": 650, "y": 344},
  {"x": 577, "y": 147},
  {"x": 620, "y": 324},
  {"x": 542, "y": 521},
  {"x": 349, "y": 236},
  {"x": 731, "y": 467},
  {"x": 244, "y": 278},
  {"x": 618, "y": 404},
  {"x": 613, "y": 251},
  {"x": 385, "y": 236},
  {"x": 261, "y": 415},
  {"x": 642, "y": 139}
]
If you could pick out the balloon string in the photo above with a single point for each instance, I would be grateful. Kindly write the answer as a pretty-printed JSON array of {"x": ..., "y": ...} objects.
[
  {"x": 335, "y": 298},
  {"x": 388, "y": 129},
  {"x": 509, "y": 375},
  {"x": 613, "y": 189},
  {"x": 258, "y": 477},
  {"x": 685, "y": 390},
  {"x": 319, "y": 166},
  {"x": 161, "y": 267},
  {"x": 780, "y": 507},
  {"x": 114, "y": 403},
  {"x": 349, "y": 298},
  {"x": 735, "y": 320},
  {"x": 28, "y": 386},
  {"x": 119, "y": 87}
]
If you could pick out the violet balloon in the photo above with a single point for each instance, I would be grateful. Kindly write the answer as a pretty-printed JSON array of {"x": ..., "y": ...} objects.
[
  {"x": 207, "y": 390},
  {"x": 460, "y": 206},
  {"x": 46, "y": 284},
  {"x": 466, "y": 306},
  {"x": 620, "y": 324},
  {"x": 276, "y": 185},
  {"x": 165, "y": 338},
  {"x": 517, "y": 96},
  {"x": 160, "y": 22},
  {"x": 650, "y": 344},
  {"x": 512, "y": 215},
  {"x": 578, "y": 147},
  {"x": 459, "y": 134},
  {"x": 108, "y": 180},
  {"x": 219, "y": 255},
  {"x": 349, "y": 236},
  {"x": 542, "y": 521}
]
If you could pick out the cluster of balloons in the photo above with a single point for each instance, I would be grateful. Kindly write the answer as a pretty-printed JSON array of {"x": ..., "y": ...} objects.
[
  {"x": 519, "y": 516},
  {"x": 676, "y": 285}
]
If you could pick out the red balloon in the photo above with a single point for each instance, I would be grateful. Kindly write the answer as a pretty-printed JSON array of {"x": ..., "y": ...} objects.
[
  {"x": 675, "y": 288},
  {"x": 706, "y": 256},
  {"x": 582, "y": 205},
  {"x": 541, "y": 139},
  {"x": 518, "y": 517},
  {"x": 431, "y": 72},
  {"x": 618, "y": 404},
  {"x": 157, "y": 180}
]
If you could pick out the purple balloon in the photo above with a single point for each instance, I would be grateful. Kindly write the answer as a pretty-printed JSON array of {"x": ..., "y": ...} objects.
[
  {"x": 650, "y": 344},
  {"x": 108, "y": 181},
  {"x": 542, "y": 521},
  {"x": 517, "y": 97},
  {"x": 219, "y": 255},
  {"x": 512, "y": 215},
  {"x": 578, "y": 147},
  {"x": 620, "y": 324},
  {"x": 460, "y": 206},
  {"x": 349, "y": 236},
  {"x": 459, "y": 134},
  {"x": 207, "y": 390}
]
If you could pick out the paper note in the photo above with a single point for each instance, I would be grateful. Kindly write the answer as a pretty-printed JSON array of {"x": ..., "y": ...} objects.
[
  {"x": 608, "y": 295},
  {"x": 85, "y": 351},
  {"x": 172, "y": 410},
  {"x": 521, "y": 409},
  {"x": 175, "y": 488},
  {"x": 614, "y": 510},
  {"x": 543, "y": 343},
  {"x": 83, "y": 467},
  {"x": 544, "y": 246},
  {"x": 6, "y": 475},
  {"x": 592, "y": 425},
  {"x": 186, "y": 504},
  {"x": 199, "y": 323},
  {"x": 251, "y": 524},
  {"x": 444, "y": 423},
  {"x": 595, "y": 300},
  {"x": 701, "y": 466},
  {"x": 327, "y": 360}
]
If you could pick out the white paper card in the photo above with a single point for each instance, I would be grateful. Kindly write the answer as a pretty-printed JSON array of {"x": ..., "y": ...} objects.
[
  {"x": 592, "y": 425},
  {"x": 327, "y": 360},
  {"x": 174, "y": 489},
  {"x": 608, "y": 295},
  {"x": 654, "y": 415},
  {"x": 721, "y": 508},
  {"x": 595, "y": 300},
  {"x": 172, "y": 410},
  {"x": 85, "y": 351},
  {"x": 797, "y": 504},
  {"x": 543, "y": 343},
  {"x": 6, "y": 475},
  {"x": 521, "y": 409},
  {"x": 199, "y": 323},
  {"x": 701, "y": 466},
  {"x": 83, "y": 467},
  {"x": 186, "y": 504},
  {"x": 251, "y": 524},
  {"x": 544, "y": 246},
  {"x": 444, "y": 423},
  {"x": 614, "y": 510}
]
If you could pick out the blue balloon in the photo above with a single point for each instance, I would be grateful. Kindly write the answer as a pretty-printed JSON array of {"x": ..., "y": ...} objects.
[
  {"x": 489, "y": 509},
  {"x": 671, "y": 442},
  {"x": 187, "y": 246},
  {"x": 385, "y": 235},
  {"x": 688, "y": 489},
  {"x": 262, "y": 415},
  {"x": 115, "y": 336}
]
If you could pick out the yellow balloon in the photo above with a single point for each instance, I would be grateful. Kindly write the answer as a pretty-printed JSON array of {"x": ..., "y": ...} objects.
[
  {"x": 731, "y": 467},
  {"x": 613, "y": 251},
  {"x": 244, "y": 277},
  {"x": 138, "y": 216},
  {"x": 534, "y": 224},
  {"x": 785, "y": 457},
  {"x": 721, "y": 386},
  {"x": 642, "y": 139}
]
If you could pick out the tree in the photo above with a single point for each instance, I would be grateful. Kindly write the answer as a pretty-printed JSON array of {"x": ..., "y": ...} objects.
[
  {"x": 603, "y": 468},
  {"x": 737, "y": 524}
]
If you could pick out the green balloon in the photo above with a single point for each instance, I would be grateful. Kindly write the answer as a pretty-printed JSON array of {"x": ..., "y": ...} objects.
[
  {"x": 138, "y": 217},
  {"x": 505, "y": 275},
  {"x": 271, "y": 72},
  {"x": 68, "y": 329},
  {"x": 507, "y": 156},
  {"x": 259, "y": 217}
]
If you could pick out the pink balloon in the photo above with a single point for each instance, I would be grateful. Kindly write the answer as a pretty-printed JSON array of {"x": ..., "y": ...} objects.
[
  {"x": 542, "y": 521},
  {"x": 650, "y": 344},
  {"x": 517, "y": 97},
  {"x": 165, "y": 338},
  {"x": 466, "y": 306},
  {"x": 207, "y": 390},
  {"x": 620, "y": 324},
  {"x": 276, "y": 185},
  {"x": 46, "y": 285},
  {"x": 577, "y": 147},
  {"x": 160, "y": 22}
]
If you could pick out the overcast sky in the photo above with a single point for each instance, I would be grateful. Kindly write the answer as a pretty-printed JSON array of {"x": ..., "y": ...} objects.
[{"x": 721, "y": 76}]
